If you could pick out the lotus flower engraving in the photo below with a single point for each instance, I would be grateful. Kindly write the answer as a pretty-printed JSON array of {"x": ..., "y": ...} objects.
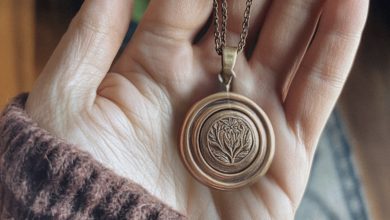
[{"x": 229, "y": 139}]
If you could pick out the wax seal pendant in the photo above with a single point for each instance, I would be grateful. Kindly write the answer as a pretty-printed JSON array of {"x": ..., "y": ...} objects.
[{"x": 227, "y": 141}]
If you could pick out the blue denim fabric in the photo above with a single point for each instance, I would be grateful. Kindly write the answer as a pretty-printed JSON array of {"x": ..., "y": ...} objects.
[{"x": 334, "y": 190}]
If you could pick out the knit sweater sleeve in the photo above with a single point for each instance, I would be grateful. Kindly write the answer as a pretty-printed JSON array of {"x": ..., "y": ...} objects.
[{"x": 44, "y": 177}]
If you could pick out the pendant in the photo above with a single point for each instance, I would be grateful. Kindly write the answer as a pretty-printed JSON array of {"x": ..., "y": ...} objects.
[{"x": 227, "y": 140}]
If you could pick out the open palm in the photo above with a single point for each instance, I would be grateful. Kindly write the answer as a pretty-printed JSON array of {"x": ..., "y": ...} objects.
[{"x": 298, "y": 56}]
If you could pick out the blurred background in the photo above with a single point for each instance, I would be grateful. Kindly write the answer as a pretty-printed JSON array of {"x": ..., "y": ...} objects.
[{"x": 351, "y": 172}]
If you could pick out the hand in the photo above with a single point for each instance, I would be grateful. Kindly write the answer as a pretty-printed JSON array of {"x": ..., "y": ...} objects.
[{"x": 127, "y": 113}]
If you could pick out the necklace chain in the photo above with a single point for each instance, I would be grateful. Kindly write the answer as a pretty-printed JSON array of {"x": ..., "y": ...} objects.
[{"x": 220, "y": 35}]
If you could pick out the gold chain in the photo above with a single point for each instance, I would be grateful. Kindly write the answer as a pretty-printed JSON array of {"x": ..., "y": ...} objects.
[{"x": 220, "y": 35}]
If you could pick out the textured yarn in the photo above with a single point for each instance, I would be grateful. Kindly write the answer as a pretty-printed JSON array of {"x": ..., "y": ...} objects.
[{"x": 43, "y": 177}]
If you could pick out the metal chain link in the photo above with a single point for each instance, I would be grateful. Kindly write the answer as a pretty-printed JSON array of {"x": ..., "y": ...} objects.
[{"x": 220, "y": 35}]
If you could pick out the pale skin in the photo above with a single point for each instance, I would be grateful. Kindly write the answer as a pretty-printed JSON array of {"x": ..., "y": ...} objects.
[{"x": 127, "y": 113}]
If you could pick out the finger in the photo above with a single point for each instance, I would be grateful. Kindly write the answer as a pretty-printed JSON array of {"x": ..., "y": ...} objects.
[
  {"x": 86, "y": 51},
  {"x": 325, "y": 67},
  {"x": 235, "y": 11},
  {"x": 167, "y": 26},
  {"x": 282, "y": 41},
  {"x": 176, "y": 20}
]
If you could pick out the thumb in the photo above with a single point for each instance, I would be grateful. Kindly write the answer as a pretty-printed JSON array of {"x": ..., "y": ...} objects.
[{"x": 83, "y": 56}]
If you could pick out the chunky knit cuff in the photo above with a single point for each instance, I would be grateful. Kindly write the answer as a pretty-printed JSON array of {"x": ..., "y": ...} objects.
[{"x": 43, "y": 177}]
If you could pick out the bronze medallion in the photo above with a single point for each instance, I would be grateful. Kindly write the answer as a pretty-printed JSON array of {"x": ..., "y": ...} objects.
[{"x": 227, "y": 141}]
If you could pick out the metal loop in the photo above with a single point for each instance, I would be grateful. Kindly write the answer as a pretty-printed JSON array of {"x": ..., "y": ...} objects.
[{"x": 229, "y": 57}]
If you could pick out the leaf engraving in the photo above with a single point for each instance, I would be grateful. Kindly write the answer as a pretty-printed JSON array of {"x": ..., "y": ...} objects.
[{"x": 229, "y": 140}]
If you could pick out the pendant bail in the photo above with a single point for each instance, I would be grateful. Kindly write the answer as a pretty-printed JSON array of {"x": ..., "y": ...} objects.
[{"x": 229, "y": 57}]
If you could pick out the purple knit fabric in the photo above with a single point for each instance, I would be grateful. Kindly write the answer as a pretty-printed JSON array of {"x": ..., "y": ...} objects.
[{"x": 43, "y": 177}]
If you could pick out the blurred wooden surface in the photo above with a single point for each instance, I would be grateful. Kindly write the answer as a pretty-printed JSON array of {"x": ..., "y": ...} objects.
[
  {"x": 52, "y": 19},
  {"x": 16, "y": 47}
]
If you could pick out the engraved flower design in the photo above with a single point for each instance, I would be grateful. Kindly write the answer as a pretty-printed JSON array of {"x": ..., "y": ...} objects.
[{"x": 229, "y": 140}]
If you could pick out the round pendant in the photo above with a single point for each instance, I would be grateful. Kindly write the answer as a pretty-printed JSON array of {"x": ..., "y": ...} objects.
[{"x": 227, "y": 141}]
